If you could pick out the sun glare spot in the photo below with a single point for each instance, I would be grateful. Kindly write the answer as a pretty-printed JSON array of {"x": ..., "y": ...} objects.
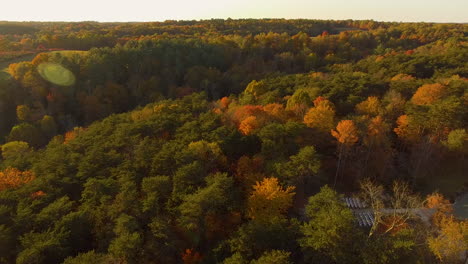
[{"x": 56, "y": 74}]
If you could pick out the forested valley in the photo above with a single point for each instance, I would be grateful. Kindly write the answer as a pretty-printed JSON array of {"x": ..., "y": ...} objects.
[{"x": 233, "y": 141}]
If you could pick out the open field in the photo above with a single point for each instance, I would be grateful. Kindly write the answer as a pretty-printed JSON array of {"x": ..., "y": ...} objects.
[
  {"x": 68, "y": 53},
  {"x": 4, "y": 64}
]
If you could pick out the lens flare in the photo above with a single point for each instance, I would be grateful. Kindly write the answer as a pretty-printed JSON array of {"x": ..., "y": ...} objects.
[{"x": 56, "y": 74}]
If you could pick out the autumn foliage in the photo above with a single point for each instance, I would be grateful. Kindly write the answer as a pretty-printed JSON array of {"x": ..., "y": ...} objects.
[
  {"x": 276, "y": 111},
  {"x": 449, "y": 244},
  {"x": 371, "y": 106},
  {"x": 428, "y": 94},
  {"x": 269, "y": 199},
  {"x": 224, "y": 102},
  {"x": 346, "y": 132},
  {"x": 321, "y": 116},
  {"x": 38, "y": 194},
  {"x": 202, "y": 141},
  {"x": 249, "y": 118},
  {"x": 248, "y": 125},
  {"x": 376, "y": 131},
  {"x": 402, "y": 77},
  {"x": 71, "y": 135},
  {"x": 190, "y": 256},
  {"x": 405, "y": 130},
  {"x": 441, "y": 205},
  {"x": 12, "y": 178}
]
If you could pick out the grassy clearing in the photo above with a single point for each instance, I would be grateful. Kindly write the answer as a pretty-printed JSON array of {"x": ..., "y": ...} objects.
[
  {"x": 4, "y": 64},
  {"x": 68, "y": 53}
]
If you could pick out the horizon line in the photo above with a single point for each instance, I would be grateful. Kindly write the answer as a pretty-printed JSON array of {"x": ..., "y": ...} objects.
[{"x": 229, "y": 18}]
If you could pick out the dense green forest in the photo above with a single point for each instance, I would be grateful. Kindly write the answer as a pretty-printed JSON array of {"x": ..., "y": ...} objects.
[{"x": 232, "y": 141}]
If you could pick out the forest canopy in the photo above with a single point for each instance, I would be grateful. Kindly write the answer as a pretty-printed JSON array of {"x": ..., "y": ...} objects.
[{"x": 232, "y": 141}]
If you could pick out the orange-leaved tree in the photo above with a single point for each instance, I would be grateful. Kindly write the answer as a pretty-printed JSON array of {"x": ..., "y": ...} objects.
[
  {"x": 443, "y": 208},
  {"x": 378, "y": 147},
  {"x": 346, "y": 134},
  {"x": 248, "y": 125},
  {"x": 72, "y": 134},
  {"x": 190, "y": 256},
  {"x": 428, "y": 94},
  {"x": 12, "y": 178},
  {"x": 276, "y": 111},
  {"x": 406, "y": 130}
]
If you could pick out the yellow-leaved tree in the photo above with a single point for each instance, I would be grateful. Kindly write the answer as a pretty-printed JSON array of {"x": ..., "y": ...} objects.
[
  {"x": 371, "y": 106},
  {"x": 321, "y": 117},
  {"x": 450, "y": 244},
  {"x": 269, "y": 200}
]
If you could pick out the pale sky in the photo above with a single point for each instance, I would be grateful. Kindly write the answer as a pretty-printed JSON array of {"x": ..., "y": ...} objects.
[{"x": 158, "y": 10}]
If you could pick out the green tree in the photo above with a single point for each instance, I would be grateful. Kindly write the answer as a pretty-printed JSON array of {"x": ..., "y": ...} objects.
[
  {"x": 127, "y": 245},
  {"x": 7, "y": 244},
  {"x": 217, "y": 198},
  {"x": 273, "y": 257},
  {"x": 256, "y": 88},
  {"x": 254, "y": 238},
  {"x": 90, "y": 257},
  {"x": 48, "y": 126},
  {"x": 301, "y": 167},
  {"x": 27, "y": 133},
  {"x": 14, "y": 149},
  {"x": 235, "y": 259},
  {"x": 457, "y": 140},
  {"x": 46, "y": 247},
  {"x": 23, "y": 112},
  {"x": 299, "y": 102},
  {"x": 400, "y": 247},
  {"x": 330, "y": 227},
  {"x": 55, "y": 210},
  {"x": 16, "y": 154},
  {"x": 157, "y": 190}
]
